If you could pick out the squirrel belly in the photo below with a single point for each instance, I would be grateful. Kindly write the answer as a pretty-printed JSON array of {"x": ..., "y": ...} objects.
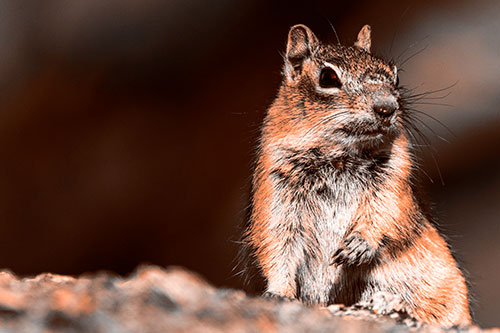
[{"x": 335, "y": 218}]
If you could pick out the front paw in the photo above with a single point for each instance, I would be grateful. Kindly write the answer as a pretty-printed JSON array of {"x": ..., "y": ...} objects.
[
  {"x": 384, "y": 303},
  {"x": 354, "y": 251}
]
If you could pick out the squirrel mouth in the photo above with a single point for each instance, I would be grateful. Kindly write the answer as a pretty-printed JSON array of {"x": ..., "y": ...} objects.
[
  {"x": 370, "y": 136},
  {"x": 370, "y": 129},
  {"x": 367, "y": 131}
]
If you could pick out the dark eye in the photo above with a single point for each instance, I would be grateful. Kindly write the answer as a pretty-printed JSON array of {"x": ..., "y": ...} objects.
[
  {"x": 397, "y": 80},
  {"x": 329, "y": 79}
]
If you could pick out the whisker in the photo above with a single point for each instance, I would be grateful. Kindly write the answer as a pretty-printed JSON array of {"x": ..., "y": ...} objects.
[
  {"x": 435, "y": 119},
  {"x": 327, "y": 119},
  {"x": 432, "y": 151},
  {"x": 410, "y": 47},
  {"x": 334, "y": 31},
  {"x": 424, "y": 98},
  {"x": 430, "y": 92},
  {"x": 417, "y": 159},
  {"x": 420, "y": 121},
  {"x": 431, "y": 103},
  {"x": 397, "y": 27},
  {"x": 415, "y": 54}
]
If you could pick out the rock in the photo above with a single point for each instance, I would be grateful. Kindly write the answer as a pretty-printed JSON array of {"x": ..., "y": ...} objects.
[{"x": 154, "y": 299}]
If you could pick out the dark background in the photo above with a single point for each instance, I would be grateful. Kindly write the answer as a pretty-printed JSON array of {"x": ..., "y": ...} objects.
[{"x": 128, "y": 128}]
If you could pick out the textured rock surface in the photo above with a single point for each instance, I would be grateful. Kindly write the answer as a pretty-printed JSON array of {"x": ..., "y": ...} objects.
[{"x": 160, "y": 300}]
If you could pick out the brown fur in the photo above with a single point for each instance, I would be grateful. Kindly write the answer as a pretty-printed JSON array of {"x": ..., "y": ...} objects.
[{"x": 334, "y": 214}]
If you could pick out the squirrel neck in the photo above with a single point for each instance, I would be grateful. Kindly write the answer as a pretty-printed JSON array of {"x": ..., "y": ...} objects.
[{"x": 392, "y": 160}]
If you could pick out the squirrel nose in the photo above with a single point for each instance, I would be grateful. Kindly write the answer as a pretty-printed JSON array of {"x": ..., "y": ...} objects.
[{"x": 385, "y": 109}]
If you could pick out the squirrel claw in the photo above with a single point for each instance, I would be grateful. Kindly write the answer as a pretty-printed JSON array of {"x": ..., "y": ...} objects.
[{"x": 354, "y": 251}]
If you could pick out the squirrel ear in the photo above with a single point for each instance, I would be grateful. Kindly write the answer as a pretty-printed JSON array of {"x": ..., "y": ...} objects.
[
  {"x": 364, "y": 41},
  {"x": 301, "y": 44}
]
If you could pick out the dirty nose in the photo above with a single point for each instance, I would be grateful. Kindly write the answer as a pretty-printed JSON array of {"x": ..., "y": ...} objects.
[{"x": 384, "y": 109}]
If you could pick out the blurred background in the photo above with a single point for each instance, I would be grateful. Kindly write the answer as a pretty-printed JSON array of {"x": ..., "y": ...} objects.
[{"x": 128, "y": 127}]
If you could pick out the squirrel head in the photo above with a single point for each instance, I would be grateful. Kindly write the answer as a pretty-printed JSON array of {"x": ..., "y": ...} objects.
[{"x": 334, "y": 93}]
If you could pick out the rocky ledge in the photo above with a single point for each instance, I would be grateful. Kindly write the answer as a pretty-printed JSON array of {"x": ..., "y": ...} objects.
[{"x": 173, "y": 299}]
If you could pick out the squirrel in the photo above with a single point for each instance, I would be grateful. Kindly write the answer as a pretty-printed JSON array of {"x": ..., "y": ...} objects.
[{"x": 335, "y": 216}]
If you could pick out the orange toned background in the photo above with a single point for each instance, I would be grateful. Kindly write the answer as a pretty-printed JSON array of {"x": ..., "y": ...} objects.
[{"x": 127, "y": 127}]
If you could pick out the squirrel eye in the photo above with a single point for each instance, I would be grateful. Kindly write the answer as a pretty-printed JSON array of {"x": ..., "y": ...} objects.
[
  {"x": 397, "y": 80},
  {"x": 329, "y": 79}
]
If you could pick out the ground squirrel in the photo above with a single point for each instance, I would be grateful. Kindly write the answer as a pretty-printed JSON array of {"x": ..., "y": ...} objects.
[{"x": 335, "y": 217}]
